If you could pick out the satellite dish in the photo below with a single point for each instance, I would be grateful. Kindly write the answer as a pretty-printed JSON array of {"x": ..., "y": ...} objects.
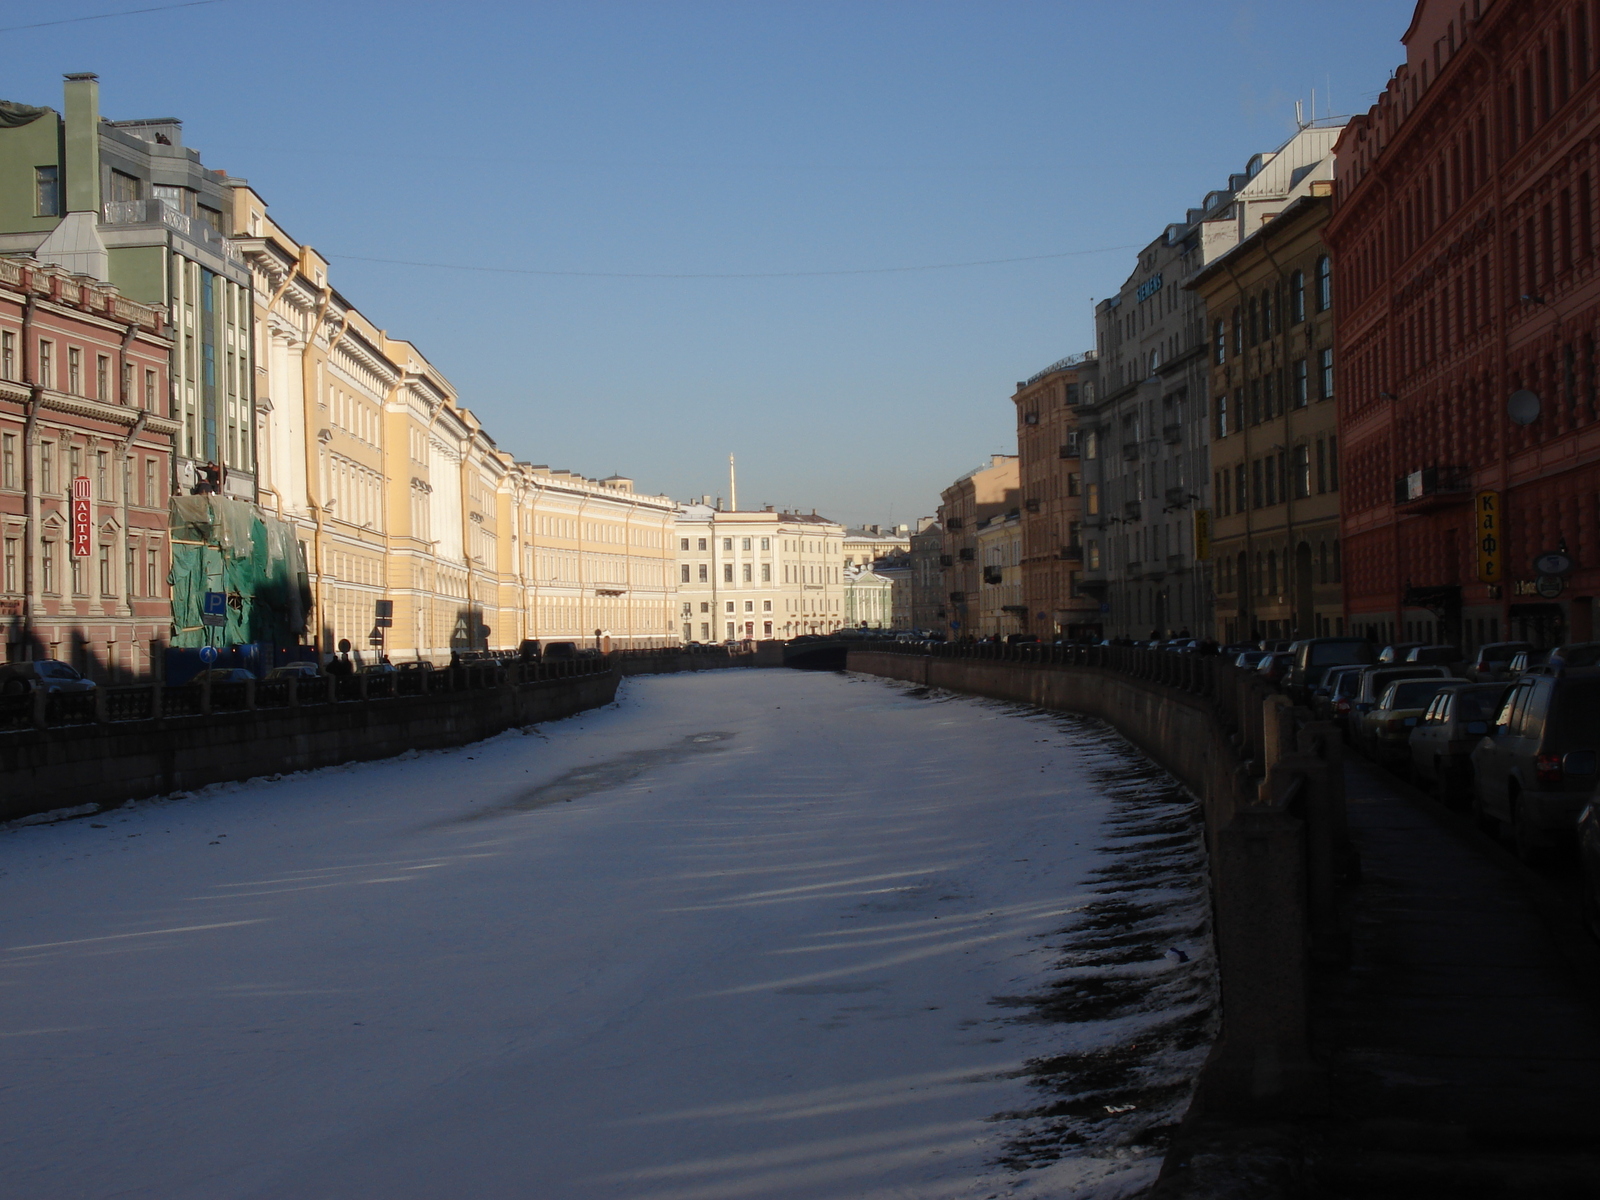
[{"x": 1523, "y": 407}]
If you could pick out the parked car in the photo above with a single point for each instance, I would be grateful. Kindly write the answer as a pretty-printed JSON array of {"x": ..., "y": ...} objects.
[
  {"x": 409, "y": 668},
  {"x": 1249, "y": 660},
  {"x": 1492, "y": 661},
  {"x": 1274, "y": 666},
  {"x": 1442, "y": 742},
  {"x": 1322, "y": 696},
  {"x": 295, "y": 670},
  {"x": 44, "y": 674},
  {"x": 1386, "y": 727},
  {"x": 1534, "y": 771},
  {"x": 1438, "y": 656},
  {"x": 223, "y": 675},
  {"x": 1371, "y": 685},
  {"x": 1273, "y": 645},
  {"x": 1524, "y": 660},
  {"x": 560, "y": 651},
  {"x": 1393, "y": 655},
  {"x": 1314, "y": 656},
  {"x": 1575, "y": 654},
  {"x": 378, "y": 668},
  {"x": 1341, "y": 695}
]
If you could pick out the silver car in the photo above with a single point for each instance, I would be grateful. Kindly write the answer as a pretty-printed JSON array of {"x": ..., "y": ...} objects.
[{"x": 1443, "y": 741}]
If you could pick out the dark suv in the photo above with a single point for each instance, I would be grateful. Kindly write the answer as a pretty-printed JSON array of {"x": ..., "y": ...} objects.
[
  {"x": 1314, "y": 656},
  {"x": 1534, "y": 771}
]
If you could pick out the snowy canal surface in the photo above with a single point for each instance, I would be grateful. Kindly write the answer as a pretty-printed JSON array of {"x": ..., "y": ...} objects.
[{"x": 742, "y": 934}]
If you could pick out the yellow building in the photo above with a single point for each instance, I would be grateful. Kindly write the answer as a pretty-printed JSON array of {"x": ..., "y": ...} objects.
[{"x": 420, "y": 536}]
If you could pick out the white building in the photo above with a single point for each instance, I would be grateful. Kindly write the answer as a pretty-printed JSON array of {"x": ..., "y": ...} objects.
[
  {"x": 757, "y": 575},
  {"x": 868, "y": 599}
]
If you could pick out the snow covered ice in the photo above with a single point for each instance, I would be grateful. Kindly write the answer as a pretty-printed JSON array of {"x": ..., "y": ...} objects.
[{"x": 743, "y": 934}]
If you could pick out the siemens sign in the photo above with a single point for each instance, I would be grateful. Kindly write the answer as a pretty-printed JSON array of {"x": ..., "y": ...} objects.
[{"x": 1148, "y": 288}]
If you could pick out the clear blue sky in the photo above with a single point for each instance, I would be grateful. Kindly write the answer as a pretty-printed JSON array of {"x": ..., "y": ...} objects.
[{"x": 696, "y": 138}]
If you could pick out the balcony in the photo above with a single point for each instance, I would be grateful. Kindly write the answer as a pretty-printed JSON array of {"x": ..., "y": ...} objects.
[
  {"x": 1069, "y": 450},
  {"x": 959, "y": 599},
  {"x": 1172, "y": 434},
  {"x": 1073, "y": 553},
  {"x": 947, "y": 560},
  {"x": 994, "y": 574},
  {"x": 1031, "y": 505},
  {"x": 159, "y": 212},
  {"x": 1433, "y": 488},
  {"x": 1132, "y": 510},
  {"x": 967, "y": 554}
]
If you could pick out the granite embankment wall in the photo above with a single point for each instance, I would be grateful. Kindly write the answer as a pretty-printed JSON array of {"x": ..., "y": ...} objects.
[
  {"x": 705, "y": 658},
  {"x": 1271, "y": 784},
  {"x": 109, "y": 762}
]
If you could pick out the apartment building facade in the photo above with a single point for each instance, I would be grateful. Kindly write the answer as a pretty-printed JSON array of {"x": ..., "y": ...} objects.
[
  {"x": 1050, "y": 467},
  {"x": 1274, "y": 430},
  {"x": 1001, "y": 607},
  {"x": 126, "y": 202},
  {"x": 928, "y": 605},
  {"x": 757, "y": 575},
  {"x": 1467, "y": 288},
  {"x": 1147, "y": 435},
  {"x": 984, "y": 492},
  {"x": 86, "y": 443}
]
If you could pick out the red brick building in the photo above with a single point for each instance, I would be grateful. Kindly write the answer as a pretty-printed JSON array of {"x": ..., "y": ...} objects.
[
  {"x": 83, "y": 396},
  {"x": 1464, "y": 241}
]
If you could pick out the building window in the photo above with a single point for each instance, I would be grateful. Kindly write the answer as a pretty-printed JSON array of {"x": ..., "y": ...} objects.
[
  {"x": 749, "y": 606},
  {"x": 1219, "y": 343},
  {"x": 1091, "y": 499},
  {"x": 75, "y": 370},
  {"x": 1324, "y": 279},
  {"x": 1093, "y": 555},
  {"x": 47, "y": 364},
  {"x": 102, "y": 378},
  {"x": 1238, "y": 332},
  {"x": 102, "y": 475},
  {"x": 1256, "y": 492},
  {"x": 705, "y": 631},
  {"x": 1325, "y": 364},
  {"x": 150, "y": 391},
  {"x": 766, "y": 629},
  {"x": 105, "y": 572},
  {"x": 1302, "y": 471},
  {"x": 47, "y": 468},
  {"x": 728, "y": 607},
  {"x": 683, "y": 573},
  {"x": 47, "y": 566},
  {"x": 683, "y": 543},
  {"x": 1297, "y": 297},
  {"x": 78, "y": 588},
  {"x": 1074, "y": 483},
  {"x": 12, "y": 555},
  {"x": 8, "y": 355},
  {"x": 766, "y": 606},
  {"x": 1091, "y": 444},
  {"x": 8, "y": 460},
  {"x": 47, "y": 191},
  {"x": 727, "y": 543},
  {"x": 727, "y": 572},
  {"x": 730, "y": 629},
  {"x": 766, "y": 572},
  {"x": 1322, "y": 466},
  {"x": 1300, "y": 383},
  {"x": 704, "y": 577},
  {"x": 1222, "y": 415},
  {"x": 744, "y": 543},
  {"x": 152, "y": 577},
  {"x": 745, "y": 574},
  {"x": 702, "y": 543}
]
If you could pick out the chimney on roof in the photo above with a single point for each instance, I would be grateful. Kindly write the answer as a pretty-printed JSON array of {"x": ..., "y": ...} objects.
[{"x": 75, "y": 243}]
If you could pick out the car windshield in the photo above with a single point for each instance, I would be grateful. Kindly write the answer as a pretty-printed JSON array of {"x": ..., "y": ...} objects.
[
  {"x": 1574, "y": 720},
  {"x": 1581, "y": 656},
  {"x": 1415, "y": 695},
  {"x": 55, "y": 670},
  {"x": 1332, "y": 653},
  {"x": 1346, "y": 684},
  {"x": 1478, "y": 705},
  {"x": 1498, "y": 654}
]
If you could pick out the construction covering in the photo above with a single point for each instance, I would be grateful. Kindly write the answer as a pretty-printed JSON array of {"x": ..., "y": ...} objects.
[{"x": 253, "y": 559}]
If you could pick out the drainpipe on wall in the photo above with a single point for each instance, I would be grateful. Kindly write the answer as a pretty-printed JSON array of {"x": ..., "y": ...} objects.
[
  {"x": 31, "y": 539},
  {"x": 309, "y": 396},
  {"x": 124, "y": 452}
]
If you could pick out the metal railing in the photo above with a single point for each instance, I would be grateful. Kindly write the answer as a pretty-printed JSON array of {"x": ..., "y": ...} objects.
[{"x": 143, "y": 702}]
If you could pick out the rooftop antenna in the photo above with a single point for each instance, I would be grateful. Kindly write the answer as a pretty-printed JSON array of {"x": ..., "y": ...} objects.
[
  {"x": 1300, "y": 112},
  {"x": 733, "y": 488}
]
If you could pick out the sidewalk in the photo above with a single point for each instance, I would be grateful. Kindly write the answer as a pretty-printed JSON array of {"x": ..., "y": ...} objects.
[{"x": 1462, "y": 1041}]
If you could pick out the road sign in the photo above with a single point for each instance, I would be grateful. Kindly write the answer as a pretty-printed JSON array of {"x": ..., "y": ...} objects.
[
  {"x": 1550, "y": 586},
  {"x": 344, "y": 645},
  {"x": 82, "y": 517},
  {"x": 1554, "y": 563},
  {"x": 383, "y": 622},
  {"x": 214, "y": 609},
  {"x": 385, "y": 609},
  {"x": 208, "y": 655}
]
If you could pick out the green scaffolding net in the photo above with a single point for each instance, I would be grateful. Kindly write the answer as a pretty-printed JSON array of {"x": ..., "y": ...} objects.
[{"x": 253, "y": 559}]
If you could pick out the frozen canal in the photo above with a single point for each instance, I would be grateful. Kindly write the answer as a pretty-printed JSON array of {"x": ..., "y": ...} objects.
[{"x": 743, "y": 934}]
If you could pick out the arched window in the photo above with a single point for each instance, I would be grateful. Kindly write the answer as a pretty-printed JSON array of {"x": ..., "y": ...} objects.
[
  {"x": 1324, "y": 284},
  {"x": 1297, "y": 297}
]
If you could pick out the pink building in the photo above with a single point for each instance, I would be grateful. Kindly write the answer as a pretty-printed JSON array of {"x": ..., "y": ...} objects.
[{"x": 84, "y": 411}]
